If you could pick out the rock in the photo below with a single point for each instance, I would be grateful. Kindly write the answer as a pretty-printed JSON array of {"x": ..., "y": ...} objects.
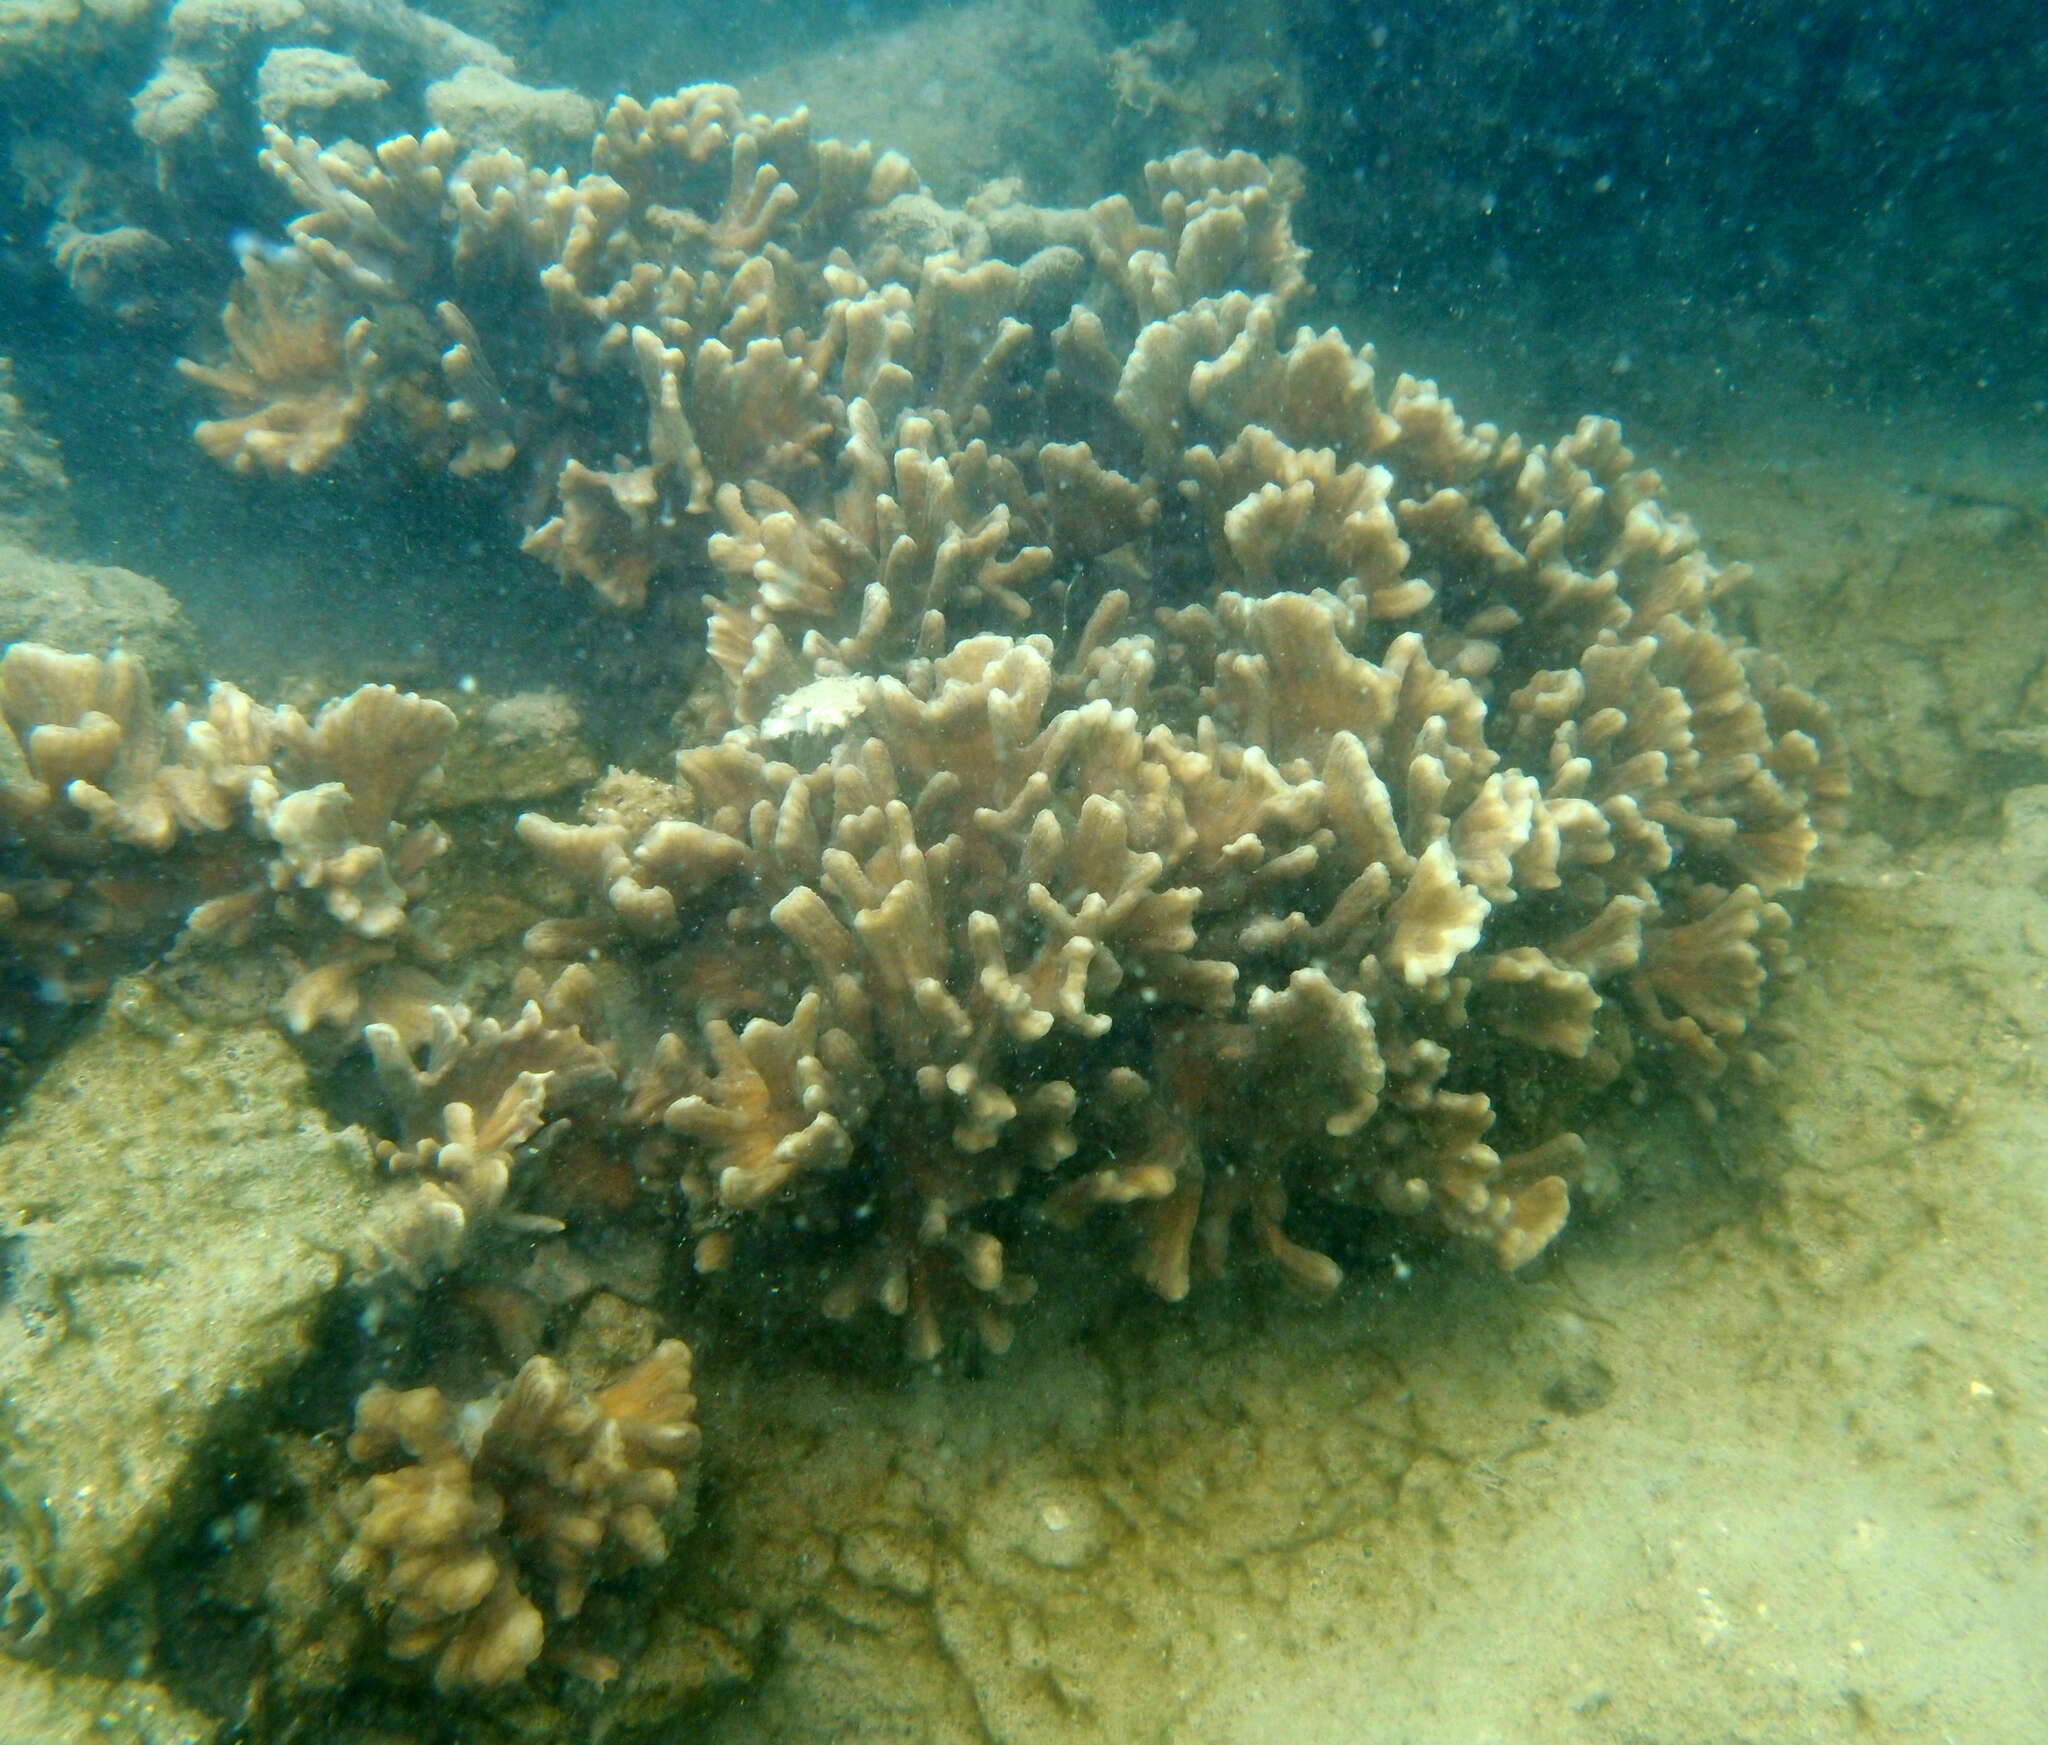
[
  {"x": 35, "y": 495},
  {"x": 688, "y": 1665},
  {"x": 961, "y": 91},
  {"x": 176, "y": 1212},
  {"x": 610, "y": 1336},
  {"x": 220, "y": 26},
  {"x": 35, "y": 33},
  {"x": 1560, "y": 1353},
  {"x": 529, "y": 746},
  {"x": 52, "y": 1708},
  {"x": 304, "y": 86},
  {"x": 484, "y": 109},
  {"x": 91, "y": 608},
  {"x": 2025, "y": 819},
  {"x": 281, "y": 1571},
  {"x": 514, "y": 25}
]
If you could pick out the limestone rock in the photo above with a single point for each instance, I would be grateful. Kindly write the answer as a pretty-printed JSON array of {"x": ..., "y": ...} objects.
[
  {"x": 94, "y": 608},
  {"x": 485, "y": 109},
  {"x": 175, "y": 1214},
  {"x": 56, "y": 1709}
]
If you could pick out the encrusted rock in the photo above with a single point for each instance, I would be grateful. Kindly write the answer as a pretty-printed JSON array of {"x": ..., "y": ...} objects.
[
  {"x": 35, "y": 506},
  {"x": 55, "y": 1708},
  {"x": 95, "y": 608},
  {"x": 175, "y": 1212}
]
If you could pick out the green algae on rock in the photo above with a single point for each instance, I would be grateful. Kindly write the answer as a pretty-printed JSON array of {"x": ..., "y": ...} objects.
[{"x": 42, "y": 1707}]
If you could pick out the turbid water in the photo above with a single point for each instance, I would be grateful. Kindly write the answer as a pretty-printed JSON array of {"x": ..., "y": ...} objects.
[{"x": 1752, "y": 1445}]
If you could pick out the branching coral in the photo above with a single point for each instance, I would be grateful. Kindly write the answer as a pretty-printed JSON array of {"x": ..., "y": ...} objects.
[
  {"x": 539, "y": 1492},
  {"x": 122, "y": 821},
  {"x": 467, "y": 1112},
  {"x": 656, "y": 326},
  {"x": 727, "y": 313},
  {"x": 1135, "y": 707},
  {"x": 299, "y": 382},
  {"x": 1038, "y": 960}
]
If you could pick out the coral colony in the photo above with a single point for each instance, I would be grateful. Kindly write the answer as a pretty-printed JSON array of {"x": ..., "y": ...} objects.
[{"x": 1116, "y": 706}]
